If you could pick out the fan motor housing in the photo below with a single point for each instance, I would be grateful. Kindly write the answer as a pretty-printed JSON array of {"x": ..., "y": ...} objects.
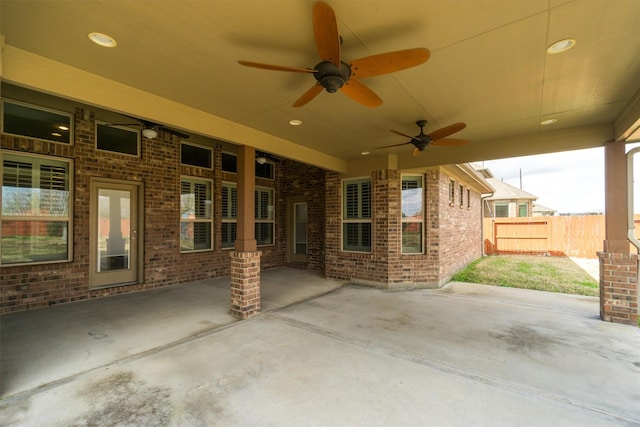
[{"x": 330, "y": 76}]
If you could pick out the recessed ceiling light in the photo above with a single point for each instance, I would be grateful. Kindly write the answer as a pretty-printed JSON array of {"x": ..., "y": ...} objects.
[
  {"x": 366, "y": 153},
  {"x": 102, "y": 39},
  {"x": 561, "y": 46},
  {"x": 548, "y": 122},
  {"x": 295, "y": 122}
]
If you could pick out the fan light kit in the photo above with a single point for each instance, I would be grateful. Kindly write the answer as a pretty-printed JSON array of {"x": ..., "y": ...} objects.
[
  {"x": 333, "y": 74},
  {"x": 437, "y": 137},
  {"x": 102, "y": 39},
  {"x": 149, "y": 133}
]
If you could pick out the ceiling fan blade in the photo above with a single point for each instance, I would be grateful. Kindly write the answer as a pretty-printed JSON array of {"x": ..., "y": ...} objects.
[
  {"x": 394, "y": 145},
  {"x": 276, "y": 67},
  {"x": 446, "y": 131},
  {"x": 405, "y": 135},
  {"x": 325, "y": 29},
  {"x": 308, "y": 95},
  {"x": 416, "y": 151},
  {"x": 450, "y": 142},
  {"x": 361, "y": 93},
  {"x": 389, "y": 62}
]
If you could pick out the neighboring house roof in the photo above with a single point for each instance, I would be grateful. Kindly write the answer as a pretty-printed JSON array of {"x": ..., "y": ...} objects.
[
  {"x": 506, "y": 191},
  {"x": 482, "y": 170},
  {"x": 542, "y": 209}
]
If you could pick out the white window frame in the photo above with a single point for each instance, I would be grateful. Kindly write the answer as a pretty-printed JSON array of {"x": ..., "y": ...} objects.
[
  {"x": 36, "y": 161},
  {"x": 500, "y": 205},
  {"x": 526, "y": 209},
  {"x": 229, "y": 218},
  {"x": 361, "y": 216},
  {"x": 269, "y": 217},
  {"x": 409, "y": 220},
  {"x": 207, "y": 218}
]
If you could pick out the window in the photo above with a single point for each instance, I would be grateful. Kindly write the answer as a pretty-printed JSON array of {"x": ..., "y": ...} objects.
[
  {"x": 264, "y": 216},
  {"x": 265, "y": 170},
  {"x": 452, "y": 192},
  {"x": 412, "y": 217},
  {"x": 461, "y": 190},
  {"x": 502, "y": 210},
  {"x": 118, "y": 139},
  {"x": 468, "y": 198},
  {"x": 356, "y": 215},
  {"x": 522, "y": 209},
  {"x": 36, "y": 209},
  {"x": 229, "y": 162},
  {"x": 229, "y": 214},
  {"x": 193, "y": 155},
  {"x": 196, "y": 217},
  {"x": 36, "y": 122}
]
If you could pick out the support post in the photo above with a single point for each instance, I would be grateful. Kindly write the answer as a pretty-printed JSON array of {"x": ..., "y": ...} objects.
[
  {"x": 245, "y": 259},
  {"x": 618, "y": 267}
]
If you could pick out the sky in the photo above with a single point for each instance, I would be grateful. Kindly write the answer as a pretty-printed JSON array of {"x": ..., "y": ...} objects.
[{"x": 568, "y": 182}]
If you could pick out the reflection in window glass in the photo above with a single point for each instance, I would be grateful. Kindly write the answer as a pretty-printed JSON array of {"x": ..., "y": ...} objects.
[
  {"x": 412, "y": 214},
  {"x": 36, "y": 122},
  {"x": 35, "y": 211},
  {"x": 196, "y": 215}
]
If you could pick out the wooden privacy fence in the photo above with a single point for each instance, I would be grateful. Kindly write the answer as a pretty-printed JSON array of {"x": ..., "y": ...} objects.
[{"x": 578, "y": 236}]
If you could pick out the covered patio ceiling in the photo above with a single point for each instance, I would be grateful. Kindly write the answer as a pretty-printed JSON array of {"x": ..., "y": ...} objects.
[{"x": 176, "y": 64}]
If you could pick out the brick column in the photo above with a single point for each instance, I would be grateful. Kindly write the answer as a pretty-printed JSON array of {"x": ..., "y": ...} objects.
[
  {"x": 245, "y": 284},
  {"x": 387, "y": 226},
  {"x": 619, "y": 287}
]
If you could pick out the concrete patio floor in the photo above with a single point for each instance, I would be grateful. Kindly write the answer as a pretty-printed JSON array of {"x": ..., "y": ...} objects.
[{"x": 321, "y": 354}]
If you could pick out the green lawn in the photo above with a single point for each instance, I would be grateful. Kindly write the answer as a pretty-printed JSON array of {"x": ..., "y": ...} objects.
[{"x": 553, "y": 274}]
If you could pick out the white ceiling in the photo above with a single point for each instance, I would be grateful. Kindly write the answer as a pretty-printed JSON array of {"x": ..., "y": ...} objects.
[{"x": 488, "y": 68}]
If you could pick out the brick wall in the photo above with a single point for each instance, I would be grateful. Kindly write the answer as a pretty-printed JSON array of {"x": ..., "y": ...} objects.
[
  {"x": 460, "y": 230},
  {"x": 452, "y": 235},
  {"x": 159, "y": 168},
  {"x": 619, "y": 287},
  {"x": 307, "y": 183}
]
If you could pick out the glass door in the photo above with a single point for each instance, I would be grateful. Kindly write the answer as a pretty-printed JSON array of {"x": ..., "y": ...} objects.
[
  {"x": 298, "y": 239},
  {"x": 114, "y": 234}
]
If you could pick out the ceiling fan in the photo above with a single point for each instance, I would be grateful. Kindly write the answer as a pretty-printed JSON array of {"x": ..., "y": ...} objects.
[
  {"x": 437, "y": 137},
  {"x": 333, "y": 74},
  {"x": 150, "y": 130}
]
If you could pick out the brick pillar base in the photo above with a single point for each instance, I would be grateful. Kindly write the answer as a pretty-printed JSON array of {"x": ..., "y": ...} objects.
[
  {"x": 619, "y": 287},
  {"x": 245, "y": 284}
]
